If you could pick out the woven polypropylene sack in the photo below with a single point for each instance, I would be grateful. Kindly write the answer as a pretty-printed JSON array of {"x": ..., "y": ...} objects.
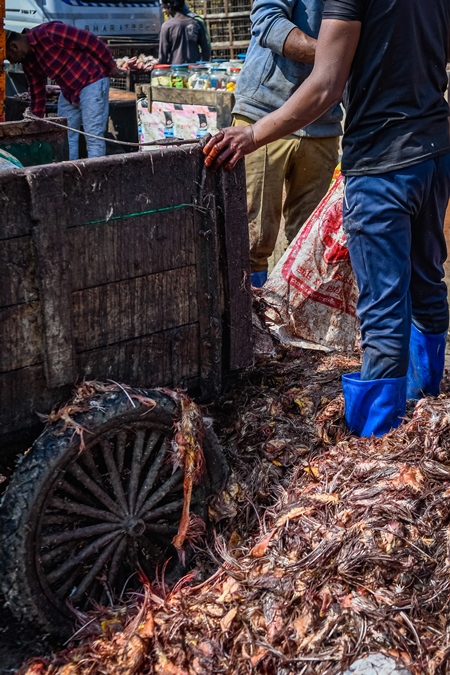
[{"x": 312, "y": 291}]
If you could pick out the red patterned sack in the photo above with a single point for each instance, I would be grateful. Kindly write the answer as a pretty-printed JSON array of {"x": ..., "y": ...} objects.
[{"x": 312, "y": 291}]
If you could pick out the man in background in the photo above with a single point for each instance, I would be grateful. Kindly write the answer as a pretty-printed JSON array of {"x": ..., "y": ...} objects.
[
  {"x": 182, "y": 38},
  {"x": 201, "y": 19},
  {"x": 81, "y": 64},
  {"x": 279, "y": 59}
]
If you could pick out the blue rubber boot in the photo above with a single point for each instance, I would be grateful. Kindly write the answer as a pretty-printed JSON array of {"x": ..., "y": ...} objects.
[
  {"x": 258, "y": 279},
  {"x": 373, "y": 407},
  {"x": 426, "y": 363}
]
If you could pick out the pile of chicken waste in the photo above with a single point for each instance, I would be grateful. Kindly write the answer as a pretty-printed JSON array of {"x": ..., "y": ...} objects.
[{"x": 325, "y": 547}]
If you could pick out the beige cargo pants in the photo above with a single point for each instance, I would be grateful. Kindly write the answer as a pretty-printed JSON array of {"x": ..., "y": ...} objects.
[{"x": 304, "y": 166}]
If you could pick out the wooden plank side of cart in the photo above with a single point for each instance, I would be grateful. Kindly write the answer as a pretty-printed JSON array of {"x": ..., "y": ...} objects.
[{"x": 132, "y": 268}]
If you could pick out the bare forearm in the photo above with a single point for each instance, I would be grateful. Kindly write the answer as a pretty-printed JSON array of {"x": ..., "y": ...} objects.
[{"x": 299, "y": 46}]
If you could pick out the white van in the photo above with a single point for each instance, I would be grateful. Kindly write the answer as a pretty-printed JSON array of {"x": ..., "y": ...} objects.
[{"x": 132, "y": 21}]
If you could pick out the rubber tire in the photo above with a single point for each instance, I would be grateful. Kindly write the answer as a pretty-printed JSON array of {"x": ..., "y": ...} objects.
[{"x": 34, "y": 478}]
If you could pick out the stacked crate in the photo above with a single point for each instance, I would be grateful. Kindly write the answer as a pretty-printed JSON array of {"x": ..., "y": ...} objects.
[{"x": 228, "y": 23}]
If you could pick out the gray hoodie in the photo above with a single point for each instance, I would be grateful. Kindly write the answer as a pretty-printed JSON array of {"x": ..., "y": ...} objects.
[{"x": 268, "y": 78}]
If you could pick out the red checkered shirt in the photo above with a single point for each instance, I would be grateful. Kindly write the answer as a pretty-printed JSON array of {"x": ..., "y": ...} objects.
[{"x": 71, "y": 56}]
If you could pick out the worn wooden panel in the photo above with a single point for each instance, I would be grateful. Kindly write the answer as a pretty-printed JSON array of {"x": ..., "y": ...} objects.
[
  {"x": 238, "y": 336},
  {"x": 48, "y": 212},
  {"x": 123, "y": 249},
  {"x": 135, "y": 307},
  {"x": 23, "y": 394},
  {"x": 18, "y": 281},
  {"x": 20, "y": 336},
  {"x": 210, "y": 290},
  {"x": 165, "y": 358},
  {"x": 109, "y": 187},
  {"x": 14, "y": 204}
]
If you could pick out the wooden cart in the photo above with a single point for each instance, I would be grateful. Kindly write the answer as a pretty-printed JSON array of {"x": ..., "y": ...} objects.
[{"x": 128, "y": 269}]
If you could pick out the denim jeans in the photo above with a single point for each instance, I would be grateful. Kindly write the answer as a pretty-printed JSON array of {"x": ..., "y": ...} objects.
[
  {"x": 92, "y": 112},
  {"x": 394, "y": 226}
]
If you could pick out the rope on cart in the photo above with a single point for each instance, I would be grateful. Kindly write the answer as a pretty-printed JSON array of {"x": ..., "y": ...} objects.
[{"x": 30, "y": 116}]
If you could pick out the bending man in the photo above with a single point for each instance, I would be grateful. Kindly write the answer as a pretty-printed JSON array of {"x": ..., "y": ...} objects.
[{"x": 80, "y": 63}]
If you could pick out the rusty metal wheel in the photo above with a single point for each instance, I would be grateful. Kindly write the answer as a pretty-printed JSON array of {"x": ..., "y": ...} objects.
[{"x": 78, "y": 523}]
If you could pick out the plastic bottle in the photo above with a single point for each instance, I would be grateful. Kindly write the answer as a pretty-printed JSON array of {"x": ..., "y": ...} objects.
[
  {"x": 232, "y": 79},
  {"x": 218, "y": 78},
  {"x": 198, "y": 78},
  {"x": 180, "y": 75}
]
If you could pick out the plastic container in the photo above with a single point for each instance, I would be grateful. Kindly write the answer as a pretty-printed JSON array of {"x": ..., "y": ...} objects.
[
  {"x": 218, "y": 77},
  {"x": 232, "y": 79},
  {"x": 199, "y": 78},
  {"x": 180, "y": 76},
  {"x": 161, "y": 76},
  {"x": 232, "y": 63}
]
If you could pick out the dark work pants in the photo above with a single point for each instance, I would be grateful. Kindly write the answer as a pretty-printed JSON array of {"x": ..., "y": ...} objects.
[{"x": 394, "y": 225}]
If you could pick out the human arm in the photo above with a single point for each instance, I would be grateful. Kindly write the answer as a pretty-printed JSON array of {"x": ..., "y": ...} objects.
[
  {"x": 299, "y": 47},
  {"x": 37, "y": 82},
  {"x": 273, "y": 28},
  {"x": 336, "y": 47}
]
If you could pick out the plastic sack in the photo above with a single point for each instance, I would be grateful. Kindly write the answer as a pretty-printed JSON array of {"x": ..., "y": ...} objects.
[
  {"x": 311, "y": 294},
  {"x": 8, "y": 161}
]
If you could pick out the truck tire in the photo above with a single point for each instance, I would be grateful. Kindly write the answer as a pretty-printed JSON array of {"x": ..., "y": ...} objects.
[{"x": 83, "y": 513}]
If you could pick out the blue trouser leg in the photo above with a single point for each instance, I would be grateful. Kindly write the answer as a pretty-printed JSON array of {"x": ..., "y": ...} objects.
[
  {"x": 72, "y": 113},
  {"x": 92, "y": 111},
  {"x": 394, "y": 226},
  {"x": 94, "y": 103}
]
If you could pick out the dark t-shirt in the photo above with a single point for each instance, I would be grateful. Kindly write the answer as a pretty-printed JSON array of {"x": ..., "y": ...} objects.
[
  {"x": 181, "y": 39},
  {"x": 396, "y": 114}
]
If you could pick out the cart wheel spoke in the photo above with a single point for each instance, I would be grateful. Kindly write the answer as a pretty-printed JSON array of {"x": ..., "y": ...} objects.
[
  {"x": 66, "y": 488},
  {"x": 116, "y": 561},
  {"x": 173, "y": 483},
  {"x": 57, "y": 518},
  {"x": 82, "y": 509},
  {"x": 77, "y": 533},
  {"x": 136, "y": 467},
  {"x": 101, "y": 561},
  {"x": 151, "y": 476},
  {"x": 56, "y": 553},
  {"x": 95, "y": 489},
  {"x": 121, "y": 443},
  {"x": 166, "y": 510},
  {"x": 152, "y": 441},
  {"x": 84, "y": 555},
  {"x": 114, "y": 475},
  {"x": 88, "y": 461}
]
